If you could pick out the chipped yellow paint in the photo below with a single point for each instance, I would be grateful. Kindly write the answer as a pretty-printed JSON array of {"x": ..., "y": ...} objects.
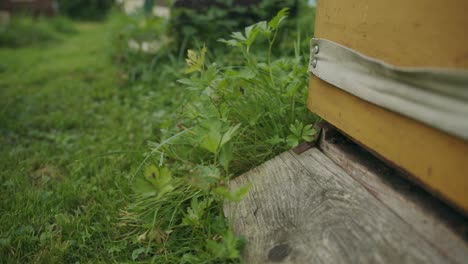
[{"x": 404, "y": 33}]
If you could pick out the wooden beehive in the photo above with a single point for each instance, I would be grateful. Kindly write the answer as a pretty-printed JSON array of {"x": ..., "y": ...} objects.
[{"x": 419, "y": 33}]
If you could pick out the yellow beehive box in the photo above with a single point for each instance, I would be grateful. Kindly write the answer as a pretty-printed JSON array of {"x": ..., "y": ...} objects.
[{"x": 418, "y": 33}]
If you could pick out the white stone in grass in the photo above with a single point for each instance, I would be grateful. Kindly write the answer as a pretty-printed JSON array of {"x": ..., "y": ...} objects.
[
  {"x": 161, "y": 11},
  {"x": 133, "y": 45}
]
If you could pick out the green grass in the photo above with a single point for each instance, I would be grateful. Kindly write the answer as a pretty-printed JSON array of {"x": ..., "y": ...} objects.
[
  {"x": 108, "y": 155},
  {"x": 25, "y": 30},
  {"x": 71, "y": 133}
]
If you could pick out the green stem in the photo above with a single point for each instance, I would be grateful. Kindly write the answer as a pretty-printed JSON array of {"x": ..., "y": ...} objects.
[
  {"x": 293, "y": 109},
  {"x": 271, "y": 42}
]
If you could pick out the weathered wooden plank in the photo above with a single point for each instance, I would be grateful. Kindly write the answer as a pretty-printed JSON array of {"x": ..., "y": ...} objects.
[
  {"x": 433, "y": 220},
  {"x": 306, "y": 209}
]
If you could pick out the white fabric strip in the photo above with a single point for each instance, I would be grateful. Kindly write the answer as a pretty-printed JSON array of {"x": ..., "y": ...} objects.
[{"x": 437, "y": 97}]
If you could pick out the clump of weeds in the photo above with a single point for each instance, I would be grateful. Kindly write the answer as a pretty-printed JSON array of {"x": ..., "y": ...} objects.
[{"x": 232, "y": 118}]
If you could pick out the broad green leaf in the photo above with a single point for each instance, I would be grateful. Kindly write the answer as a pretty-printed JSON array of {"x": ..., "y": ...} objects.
[
  {"x": 137, "y": 252},
  {"x": 242, "y": 191},
  {"x": 210, "y": 134},
  {"x": 264, "y": 29},
  {"x": 238, "y": 36},
  {"x": 308, "y": 133},
  {"x": 196, "y": 211},
  {"x": 159, "y": 178},
  {"x": 195, "y": 60},
  {"x": 188, "y": 82},
  {"x": 275, "y": 140},
  {"x": 217, "y": 249},
  {"x": 143, "y": 187},
  {"x": 230, "y": 242},
  {"x": 292, "y": 141},
  {"x": 280, "y": 16},
  {"x": 224, "y": 192},
  {"x": 189, "y": 258},
  {"x": 235, "y": 196},
  {"x": 225, "y": 155},
  {"x": 165, "y": 176},
  {"x": 292, "y": 88},
  {"x": 165, "y": 189},
  {"x": 204, "y": 177},
  {"x": 230, "y": 42},
  {"x": 211, "y": 141},
  {"x": 247, "y": 74},
  {"x": 226, "y": 247},
  {"x": 151, "y": 174},
  {"x": 229, "y": 134},
  {"x": 158, "y": 235},
  {"x": 296, "y": 128},
  {"x": 248, "y": 30},
  {"x": 251, "y": 33}
]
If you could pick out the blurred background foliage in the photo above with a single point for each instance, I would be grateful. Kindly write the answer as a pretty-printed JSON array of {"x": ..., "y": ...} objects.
[
  {"x": 190, "y": 24},
  {"x": 23, "y": 30},
  {"x": 190, "y": 27},
  {"x": 85, "y": 9},
  {"x": 208, "y": 21}
]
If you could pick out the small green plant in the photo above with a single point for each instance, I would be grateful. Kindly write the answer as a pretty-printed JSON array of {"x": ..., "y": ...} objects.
[{"x": 232, "y": 117}]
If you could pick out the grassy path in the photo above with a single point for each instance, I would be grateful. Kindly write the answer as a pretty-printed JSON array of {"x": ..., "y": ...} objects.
[{"x": 69, "y": 136}]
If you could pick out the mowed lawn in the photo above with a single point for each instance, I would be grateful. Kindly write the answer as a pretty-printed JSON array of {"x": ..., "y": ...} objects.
[{"x": 71, "y": 136}]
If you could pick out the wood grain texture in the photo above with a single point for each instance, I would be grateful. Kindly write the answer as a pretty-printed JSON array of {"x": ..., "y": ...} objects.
[
  {"x": 440, "y": 225},
  {"x": 306, "y": 209},
  {"x": 404, "y": 33}
]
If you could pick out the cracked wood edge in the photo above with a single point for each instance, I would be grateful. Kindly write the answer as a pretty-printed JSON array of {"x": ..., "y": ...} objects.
[{"x": 444, "y": 228}]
